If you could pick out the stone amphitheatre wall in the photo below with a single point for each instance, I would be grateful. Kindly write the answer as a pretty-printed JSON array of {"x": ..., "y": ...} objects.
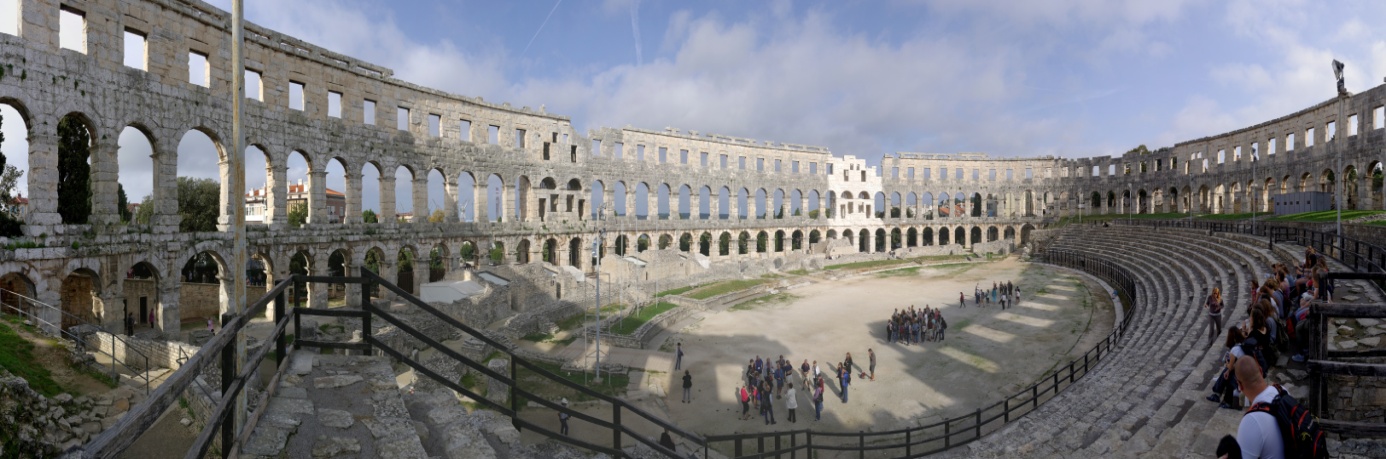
[{"x": 777, "y": 200}]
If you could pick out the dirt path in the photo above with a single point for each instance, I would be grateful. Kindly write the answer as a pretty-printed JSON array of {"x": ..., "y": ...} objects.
[{"x": 54, "y": 357}]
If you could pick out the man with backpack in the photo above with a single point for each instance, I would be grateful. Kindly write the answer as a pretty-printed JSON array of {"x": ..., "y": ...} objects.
[
  {"x": 1276, "y": 426},
  {"x": 1259, "y": 433}
]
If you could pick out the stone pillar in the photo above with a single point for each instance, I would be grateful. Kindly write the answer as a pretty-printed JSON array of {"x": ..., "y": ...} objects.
[
  {"x": 1364, "y": 191},
  {"x": 609, "y": 199},
  {"x": 714, "y": 207},
  {"x": 652, "y": 205},
  {"x": 420, "y": 196},
  {"x": 390, "y": 272},
  {"x": 350, "y": 267},
  {"x": 695, "y": 204},
  {"x": 450, "y": 199},
  {"x": 317, "y": 196},
  {"x": 113, "y": 309},
  {"x": 630, "y": 203},
  {"x": 104, "y": 184},
  {"x": 504, "y": 205},
  {"x": 167, "y": 312},
  {"x": 277, "y": 196},
  {"x": 479, "y": 205},
  {"x": 387, "y": 199},
  {"x": 43, "y": 183},
  {"x": 353, "y": 199},
  {"x": 317, "y": 293}
]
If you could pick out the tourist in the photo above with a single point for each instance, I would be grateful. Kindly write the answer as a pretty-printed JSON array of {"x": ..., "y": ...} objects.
[
  {"x": 844, "y": 379},
  {"x": 1214, "y": 308},
  {"x": 817, "y": 372},
  {"x": 792, "y": 403},
  {"x": 962, "y": 300},
  {"x": 129, "y": 324},
  {"x": 1226, "y": 382},
  {"x": 872, "y": 355},
  {"x": 1258, "y": 434},
  {"x": 818, "y": 399},
  {"x": 942, "y": 325},
  {"x": 1004, "y": 299},
  {"x": 745, "y": 402},
  {"x": 1301, "y": 326},
  {"x": 767, "y": 409},
  {"x": 678, "y": 357},
  {"x": 563, "y": 417},
  {"x": 687, "y": 387},
  {"x": 210, "y": 328},
  {"x": 779, "y": 379},
  {"x": 667, "y": 441},
  {"x": 805, "y": 369}
]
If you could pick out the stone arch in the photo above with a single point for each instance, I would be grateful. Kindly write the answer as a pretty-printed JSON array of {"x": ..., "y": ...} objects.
[
  {"x": 814, "y": 237},
  {"x": 724, "y": 244},
  {"x": 762, "y": 242},
  {"x": 81, "y": 298},
  {"x": 926, "y": 236},
  {"x": 832, "y": 234},
  {"x": 992, "y": 234},
  {"x": 864, "y": 240},
  {"x": 1009, "y": 233},
  {"x": 550, "y": 252},
  {"x": 743, "y": 243},
  {"x": 15, "y": 287},
  {"x": 685, "y": 242},
  {"x": 911, "y": 237},
  {"x": 960, "y": 236},
  {"x": 975, "y": 235},
  {"x": 796, "y": 240},
  {"x": 407, "y": 268},
  {"x": 944, "y": 235},
  {"x": 665, "y": 241},
  {"x": 779, "y": 240},
  {"x": 575, "y": 250}
]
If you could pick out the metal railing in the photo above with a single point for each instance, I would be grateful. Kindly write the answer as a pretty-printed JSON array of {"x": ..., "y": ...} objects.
[
  {"x": 1358, "y": 255},
  {"x": 28, "y": 308},
  {"x": 1323, "y": 363},
  {"x": 224, "y": 425},
  {"x": 960, "y": 430}
]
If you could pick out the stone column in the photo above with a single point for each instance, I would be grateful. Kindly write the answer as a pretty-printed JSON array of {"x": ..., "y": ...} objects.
[
  {"x": 113, "y": 309},
  {"x": 277, "y": 196},
  {"x": 317, "y": 196},
  {"x": 104, "y": 184},
  {"x": 695, "y": 204},
  {"x": 353, "y": 291},
  {"x": 387, "y": 199},
  {"x": 166, "y": 309},
  {"x": 479, "y": 205},
  {"x": 450, "y": 199},
  {"x": 390, "y": 272},
  {"x": 609, "y": 199},
  {"x": 652, "y": 204},
  {"x": 420, "y": 196},
  {"x": 1364, "y": 191},
  {"x": 630, "y": 202},
  {"x": 317, "y": 293},
  {"x": 502, "y": 208},
  {"x": 43, "y": 182},
  {"x": 353, "y": 199},
  {"x": 714, "y": 207}
]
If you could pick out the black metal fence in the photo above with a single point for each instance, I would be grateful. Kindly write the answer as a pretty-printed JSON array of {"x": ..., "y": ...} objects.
[
  {"x": 224, "y": 425},
  {"x": 1323, "y": 363},
  {"x": 1359, "y": 255}
]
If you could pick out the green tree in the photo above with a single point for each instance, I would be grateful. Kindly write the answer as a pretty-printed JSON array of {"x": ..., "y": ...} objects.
[
  {"x": 369, "y": 216},
  {"x": 123, "y": 204},
  {"x": 436, "y": 217},
  {"x": 9, "y": 176},
  {"x": 74, "y": 174},
  {"x": 497, "y": 254},
  {"x": 406, "y": 260},
  {"x": 468, "y": 251},
  {"x": 145, "y": 213},
  {"x": 199, "y": 203},
  {"x": 298, "y": 214}
]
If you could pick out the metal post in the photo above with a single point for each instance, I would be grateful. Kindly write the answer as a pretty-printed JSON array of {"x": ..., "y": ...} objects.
[
  {"x": 228, "y": 375},
  {"x": 280, "y": 341},
  {"x": 1338, "y": 146},
  {"x": 978, "y": 423},
  {"x": 861, "y": 444},
  {"x": 616, "y": 429},
  {"x": 514, "y": 404},
  {"x": 597, "y": 253},
  {"x": 235, "y": 299}
]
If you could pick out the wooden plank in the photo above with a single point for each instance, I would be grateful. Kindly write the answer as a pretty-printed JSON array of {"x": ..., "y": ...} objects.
[
  {"x": 1353, "y": 429},
  {"x": 1347, "y": 368}
]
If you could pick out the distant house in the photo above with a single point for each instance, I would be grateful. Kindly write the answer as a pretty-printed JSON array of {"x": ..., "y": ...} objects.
[
  {"x": 17, "y": 207},
  {"x": 256, "y": 207}
]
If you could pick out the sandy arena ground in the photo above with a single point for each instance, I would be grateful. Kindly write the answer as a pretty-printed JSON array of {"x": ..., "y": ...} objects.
[{"x": 988, "y": 353}]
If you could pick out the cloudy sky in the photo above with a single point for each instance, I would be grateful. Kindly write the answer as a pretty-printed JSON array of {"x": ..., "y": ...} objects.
[{"x": 1040, "y": 77}]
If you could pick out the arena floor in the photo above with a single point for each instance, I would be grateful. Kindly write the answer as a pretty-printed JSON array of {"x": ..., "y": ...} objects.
[{"x": 988, "y": 353}]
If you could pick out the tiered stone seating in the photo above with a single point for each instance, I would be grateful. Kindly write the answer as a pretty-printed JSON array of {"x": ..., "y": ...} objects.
[{"x": 1146, "y": 397}]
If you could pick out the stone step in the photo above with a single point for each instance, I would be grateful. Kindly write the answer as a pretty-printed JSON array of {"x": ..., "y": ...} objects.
[{"x": 336, "y": 406}]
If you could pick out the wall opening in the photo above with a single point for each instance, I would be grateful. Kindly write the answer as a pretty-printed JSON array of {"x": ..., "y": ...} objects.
[
  {"x": 136, "y": 50},
  {"x": 72, "y": 30}
]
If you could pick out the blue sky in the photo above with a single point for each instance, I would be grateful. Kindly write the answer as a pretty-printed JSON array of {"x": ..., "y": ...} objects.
[{"x": 1032, "y": 78}]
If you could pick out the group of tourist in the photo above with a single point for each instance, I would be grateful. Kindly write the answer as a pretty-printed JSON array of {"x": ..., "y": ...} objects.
[
  {"x": 767, "y": 381},
  {"x": 1002, "y": 293},
  {"x": 1277, "y": 313},
  {"x": 914, "y": 326}
]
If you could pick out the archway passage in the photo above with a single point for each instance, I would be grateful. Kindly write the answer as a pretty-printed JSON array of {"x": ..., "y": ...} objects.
[
  {"x": 15, "y": 292},
  {"x": 81, "y": 299}
]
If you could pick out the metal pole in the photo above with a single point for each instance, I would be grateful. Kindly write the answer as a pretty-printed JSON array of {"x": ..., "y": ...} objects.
[
  {"x": 235, "y": 299},
  {"x": 1337, "y": 145}
]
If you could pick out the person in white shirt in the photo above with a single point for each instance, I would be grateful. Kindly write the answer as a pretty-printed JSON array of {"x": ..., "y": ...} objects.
[
  {"x": 791, "y": 402},
  {"x": 1258, "y": 434}
]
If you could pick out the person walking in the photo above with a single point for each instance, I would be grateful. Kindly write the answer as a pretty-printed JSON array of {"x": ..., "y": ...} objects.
[
  {"x": 962, "y": 300},
  {"x": 792, "y": 403},
  {"x": 845, "y": 379},
  {"x": 563, "y": 417},
  {"x": 767, "y": 408},
  {"x": 871, "y": 355},
  {"x": 678, "y": 358},
  {"x": 1213, "y": 306},
  {"x": 129, "y": 324},
  {"x": 687, "y": 387},
  {"x": 818, "y": 399},
  {"x": 745, "y": 402},
  {"x": 848, "y": 362}
]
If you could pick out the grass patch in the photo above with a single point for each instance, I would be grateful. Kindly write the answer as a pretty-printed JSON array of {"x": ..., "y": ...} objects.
[
  {"x": 1324, "y": 216},
  {"x": 537, "y": 337},
  {"x": 612, "y": 385},
  {"x": 866, "y": 264},
  {"x": 1241, "y": 216},
  {"x": 798, "y": 272},
  {"x": 676, "y": 291},
  {"x": 17, "y": 356},
  {"x": 567, "y": 341},
  {"x": 778, "y": 298},
  {"x": 571, "y": 322},
  {"x": 628, "y": 324},
  {"x": 724, "y": 287},
  {"x": 902, "y": 272}
]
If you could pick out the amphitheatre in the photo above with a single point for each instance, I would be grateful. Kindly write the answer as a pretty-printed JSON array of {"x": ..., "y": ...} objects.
[{"x": 734, "y": 247}]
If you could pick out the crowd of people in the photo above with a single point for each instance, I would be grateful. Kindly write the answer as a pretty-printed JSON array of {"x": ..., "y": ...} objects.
[
  {"x": 1277, "y": 311},
  {"x": 1002, "y": 293},
  {"x": 769, "y": 380},
  {"x": 914, "y": 326}
]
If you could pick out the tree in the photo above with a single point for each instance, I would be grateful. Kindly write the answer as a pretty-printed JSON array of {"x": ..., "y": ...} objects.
[
  {"x": 298, "y": 214},
  {"x": 74, "y": 174},
  {"x": 436, "y": 217},
  {"x": 369, "y": 216},
  {"x": 145, "y": 213},
  {"x": 468, "y": 251},
  {"x": 123, "y": 204},
  {"x": 9, "y": 176},
  {"x": 199, "y": 203}
]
